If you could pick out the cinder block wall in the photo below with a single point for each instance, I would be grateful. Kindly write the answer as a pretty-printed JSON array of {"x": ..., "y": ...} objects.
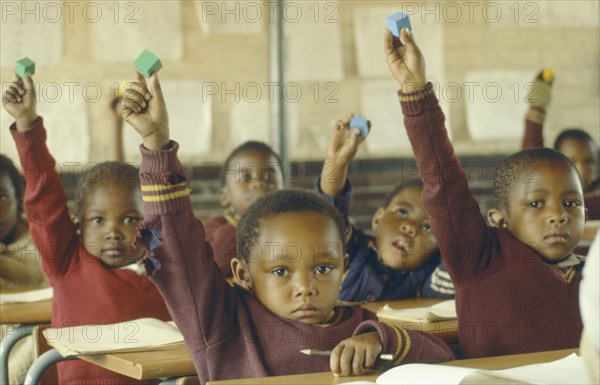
[{"x": 216, "y": 59}]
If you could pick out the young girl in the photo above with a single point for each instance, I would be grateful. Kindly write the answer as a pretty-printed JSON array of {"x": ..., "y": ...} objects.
[
  {"x": 288, "y": 275},
  {"x": 20, "y": 263},
  {"x": 92, "y": 265},
  {"x": 401, "y": 259}
]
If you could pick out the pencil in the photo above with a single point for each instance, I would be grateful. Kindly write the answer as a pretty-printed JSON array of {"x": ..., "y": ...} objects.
[{"x": 327, "y": 353}]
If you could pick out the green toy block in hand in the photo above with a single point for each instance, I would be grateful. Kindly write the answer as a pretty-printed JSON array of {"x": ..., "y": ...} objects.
[
  {"x": 147, "y": 63},
  {"x": 25, "y": 65}
]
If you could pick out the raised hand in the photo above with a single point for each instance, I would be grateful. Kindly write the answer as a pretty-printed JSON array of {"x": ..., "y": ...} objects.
[
  {"x": 342, "y": 148},
  {"x": 19, "y": 101},
  {"x": 145, "y": 110},
  {"x": 353, "y": 355},
  {"x": 406, "y": 63}
]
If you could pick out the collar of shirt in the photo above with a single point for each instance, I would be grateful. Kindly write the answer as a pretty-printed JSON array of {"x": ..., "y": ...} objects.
[{"x": 571, "y": 260}]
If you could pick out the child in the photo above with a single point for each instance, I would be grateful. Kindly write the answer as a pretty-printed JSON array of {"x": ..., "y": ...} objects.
[
  {"x": 576, "y": 144},
  {"x": 516, "y": 284},
  {"x": 401, "y": 259},
  {"x": 288, "y": 274},
  {"x": 95, "y": 279},
  {"x": 20, "y": 263},
  {"x": 251, "y": 170}
]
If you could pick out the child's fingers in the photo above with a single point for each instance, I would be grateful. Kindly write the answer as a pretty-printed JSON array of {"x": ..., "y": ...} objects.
[
  {"x": 347, "y": 360},
  {"x": 406, "y": 38},
  {"x": 358, "y": 362},
  {"x": 156, "y": 88},
  {"x": 371, "y": 356},
  {"x": 134, "y": 102},
  {"x": 334, "y": 360}
]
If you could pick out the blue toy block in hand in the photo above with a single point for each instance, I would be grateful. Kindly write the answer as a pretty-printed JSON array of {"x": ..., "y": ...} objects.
[
  {"x": 396, "y": 22},
  {"x": 359, "y": 122},
  {"x": 25, "y": 65},
  {"x": 147, "y": 63}
]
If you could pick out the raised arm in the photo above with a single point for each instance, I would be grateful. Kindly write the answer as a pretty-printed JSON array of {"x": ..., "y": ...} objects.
[
  {"x": 45, "y": 202},
  {"x": 179, "y": 260},
  {"x": 455, "y": 216},
  {"x": 538, "y": 97}
]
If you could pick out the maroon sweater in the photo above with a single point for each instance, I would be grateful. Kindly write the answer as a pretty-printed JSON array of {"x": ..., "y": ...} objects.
[
  {"x": 534, "y": 137},
  {"x": 508, "y": 300},
  {"x": 85, "y": 292},
  {"x": 221, "y": 236},
  {"x": 228, "y": 332}
]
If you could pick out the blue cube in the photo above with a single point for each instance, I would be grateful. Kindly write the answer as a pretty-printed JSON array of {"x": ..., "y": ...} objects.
[
  {"x": 359, "y": 122},
  {"x": 396, "y": 22}
]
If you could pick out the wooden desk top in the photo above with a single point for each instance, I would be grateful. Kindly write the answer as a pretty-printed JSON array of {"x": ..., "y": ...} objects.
[
  {"x": 146, "y": 365},
  {"x": 26, "y": 313},
  {"x": 446, "y": 330},
  {"x": 490, "y": 363}
]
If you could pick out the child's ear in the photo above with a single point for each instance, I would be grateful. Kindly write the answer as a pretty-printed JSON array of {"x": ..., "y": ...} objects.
[
  {"x": 224, "y": 199},
  {"x": 497, "y": 218},
  {"x": 376, "y": 218},
  {"x": 346, "y": 259},
  {"x": 241, "y": 274}
]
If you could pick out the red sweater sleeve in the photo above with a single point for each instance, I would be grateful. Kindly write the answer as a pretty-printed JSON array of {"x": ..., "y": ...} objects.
[
  {"x": 534, "y": 134},
  {"x": 455, "y": 215},
  {"x": 408, "y": 346},
  {"x": 179, "y": 260},
  {"x": 45, "y": 203}
]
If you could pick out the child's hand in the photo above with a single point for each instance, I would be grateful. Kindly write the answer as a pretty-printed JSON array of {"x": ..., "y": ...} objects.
[
  {"x": 353, "y": 355},
  {"x": 540, "y": 93},
  {"x": 146, "y": 111},
  {"x": 115, "y": 111},
  {"x": 406, "y": 63},
  {"x": 344, "y": 144},
  {"x": 19, "y": 102}
]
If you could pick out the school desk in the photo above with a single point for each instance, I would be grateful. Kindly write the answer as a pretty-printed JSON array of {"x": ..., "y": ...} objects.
[
  {"x": 27, "y": 315},
  {"x": 326, "y": 378},
  {"x": 446, "y": 330},
  {"x": 589, "y": 233}
]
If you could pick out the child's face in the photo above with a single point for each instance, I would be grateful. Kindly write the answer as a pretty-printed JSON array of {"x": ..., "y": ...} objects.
[
  {"x": 8, "y": 209},
  {"x": 546, "y": 209},
  {"x": 583, "y": 154},
  {"x": 403, "y": 235},
  {"x": 251, "y": 175},
  {"x": 110, "y": 217},
  {"x": 298, "y": 271}
]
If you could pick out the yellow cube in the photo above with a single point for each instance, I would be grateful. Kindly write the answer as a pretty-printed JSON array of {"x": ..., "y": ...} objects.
[{"x": 548, "y": 75}]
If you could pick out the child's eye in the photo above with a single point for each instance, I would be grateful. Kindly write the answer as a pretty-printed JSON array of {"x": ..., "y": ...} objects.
[
  {"x": 131, "y": 220},
  {"x": 572, "y": 204},
  {"x": 3, "y": 197},
  {"x": 97, "y": 220},
  {"x": 426, "y": 227},
  {"x": 279, "y": 272},
  {"x": 535, "y": 204},
  {"x": 323, "y": 269},
  {"x": 401, "y": 213}
]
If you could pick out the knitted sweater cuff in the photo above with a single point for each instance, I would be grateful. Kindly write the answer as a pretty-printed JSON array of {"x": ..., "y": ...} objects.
[
  {"x": 415, "y": 103},
  {"x": 394, "y": 340}
]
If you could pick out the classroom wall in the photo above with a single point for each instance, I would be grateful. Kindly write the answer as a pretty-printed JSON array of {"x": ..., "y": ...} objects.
[{"x": 481, "y": 55}]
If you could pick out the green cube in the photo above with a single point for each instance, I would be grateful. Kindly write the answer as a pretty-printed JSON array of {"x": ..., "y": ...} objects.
[
  {"x": 25, "y": 65},
  {"x": 147, "y": 63}
]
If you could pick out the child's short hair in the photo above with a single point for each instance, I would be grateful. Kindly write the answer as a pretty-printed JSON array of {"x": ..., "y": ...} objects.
[
  {"x": 251, "y": 145},
  {"x": 400, "y": 187},
  {"x": 9, "y": 169},
  {"x": 519, "y": 166},
  {"x": 281, "y": 202},
  {"x": 572, "y": 133},
  {"x": 118, "y": 172}
]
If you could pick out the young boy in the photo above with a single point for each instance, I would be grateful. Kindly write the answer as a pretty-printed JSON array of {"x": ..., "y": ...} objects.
[
  {"x": 516, "y": 284},
  {"x": 576, "y": 144},
  {"x": 251, "y": 170},
  {"x": 91, "y": 266},
  {"x": 401, "y": 260},
  {"x": 288, "y": 274}
]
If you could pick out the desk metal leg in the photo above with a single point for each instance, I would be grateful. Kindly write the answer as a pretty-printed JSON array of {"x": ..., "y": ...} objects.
[
  {"x": 7, "y": 345},
  {"x": 49, "y": 358}
]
